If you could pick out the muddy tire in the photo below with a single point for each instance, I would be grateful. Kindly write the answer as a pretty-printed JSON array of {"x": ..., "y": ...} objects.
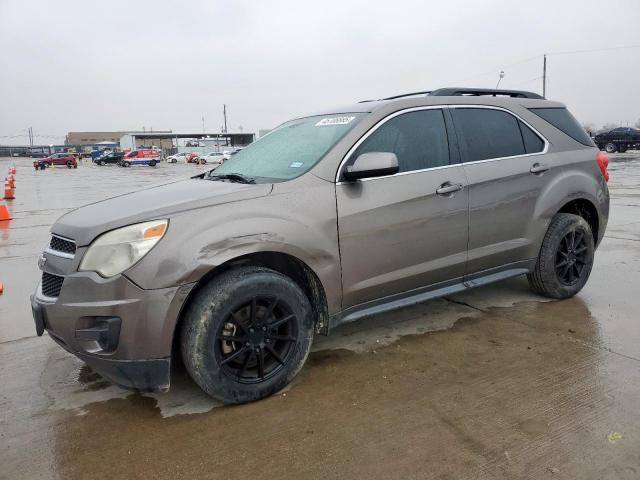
[
  {"x": 610, "y": 148},
  {"x": 565, "y": 259},
  {"x": 246, "y": 334}
]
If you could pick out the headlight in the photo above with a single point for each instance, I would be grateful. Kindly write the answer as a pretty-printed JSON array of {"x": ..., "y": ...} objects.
[{"x": 115, "y": 251}]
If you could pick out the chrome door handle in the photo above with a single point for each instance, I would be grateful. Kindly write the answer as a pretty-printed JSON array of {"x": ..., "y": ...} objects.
[
  {"x": 538, "y": 168},
  {"x": 448, "y": 188}
]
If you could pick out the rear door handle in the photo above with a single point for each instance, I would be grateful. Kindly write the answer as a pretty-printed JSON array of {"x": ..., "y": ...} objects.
[
  {"x": 448, "y": 188},
  {"x": 538, "y": 168}
]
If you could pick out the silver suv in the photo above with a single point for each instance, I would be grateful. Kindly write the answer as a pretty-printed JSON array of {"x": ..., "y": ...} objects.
[{"x": 327, "y": 219}]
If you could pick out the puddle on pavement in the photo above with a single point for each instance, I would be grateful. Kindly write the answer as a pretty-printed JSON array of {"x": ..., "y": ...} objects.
[{"x": 512, "y": 392}]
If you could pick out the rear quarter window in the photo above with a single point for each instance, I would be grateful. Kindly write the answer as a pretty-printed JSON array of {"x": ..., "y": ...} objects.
[{"x": 562, "y": 119}]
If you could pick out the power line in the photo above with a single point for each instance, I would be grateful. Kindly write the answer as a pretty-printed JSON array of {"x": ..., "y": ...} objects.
[{"x": 604, "y": 49}]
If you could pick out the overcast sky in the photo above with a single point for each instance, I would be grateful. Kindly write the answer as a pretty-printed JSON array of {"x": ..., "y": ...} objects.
[{"x": 119, "y": 65}]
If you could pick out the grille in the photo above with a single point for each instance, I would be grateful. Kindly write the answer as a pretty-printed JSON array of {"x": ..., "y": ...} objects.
[
  {"x": 51, "y": 284},
  {"x": 62, "y": 245}
]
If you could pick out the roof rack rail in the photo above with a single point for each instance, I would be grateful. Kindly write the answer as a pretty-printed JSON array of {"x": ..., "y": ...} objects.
[
  {"x": 408, "y": 95},
  {"x": 456, "y": 92}
]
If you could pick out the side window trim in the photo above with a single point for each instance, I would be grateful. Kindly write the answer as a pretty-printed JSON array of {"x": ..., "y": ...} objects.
[
  {"x": 461, "y": 144},
  {"x": 381, "y": 122}
]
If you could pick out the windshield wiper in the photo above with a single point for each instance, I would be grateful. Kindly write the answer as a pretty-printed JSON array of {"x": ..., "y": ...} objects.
[{"x": 232, "y": 177}]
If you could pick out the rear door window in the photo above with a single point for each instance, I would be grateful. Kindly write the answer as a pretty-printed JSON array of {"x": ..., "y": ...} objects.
[
  {"x": 562, "y": 119},
  {"x": 532, "y": 142},
  {"x": 488, "y": 133},
  {"x": 419, "y": 140}
]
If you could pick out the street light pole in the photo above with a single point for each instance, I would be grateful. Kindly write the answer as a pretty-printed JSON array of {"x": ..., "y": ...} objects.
[{"x": 500, "y": 78}]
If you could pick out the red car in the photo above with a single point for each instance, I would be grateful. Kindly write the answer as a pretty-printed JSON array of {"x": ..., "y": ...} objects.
[
  {"x": 67, "y": 159},
  {"x": 192, "y": 157}
]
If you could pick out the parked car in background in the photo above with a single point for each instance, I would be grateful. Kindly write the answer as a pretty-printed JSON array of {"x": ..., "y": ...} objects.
[
  {"x": 67, "y": 159},
  {"x": 619, "y": 139},
  {"x": 177, "y": 158},
  {"x": 216, "y": 158},
  {"x": 110, "y": 157},
  {"x": 141, "y": 156},
  {"x": 192, "y": 157},
  {"x": 329, "y": 219},
  {"x": 229, "y": 153}
]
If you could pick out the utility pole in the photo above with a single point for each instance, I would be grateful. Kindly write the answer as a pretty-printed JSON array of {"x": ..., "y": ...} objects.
[
  {"x": 224, "y": 114},
  {"x": 544, "y": 76}
]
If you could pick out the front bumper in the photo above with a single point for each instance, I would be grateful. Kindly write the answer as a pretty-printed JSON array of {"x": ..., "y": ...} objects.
[{"x": 121, "y": 330}]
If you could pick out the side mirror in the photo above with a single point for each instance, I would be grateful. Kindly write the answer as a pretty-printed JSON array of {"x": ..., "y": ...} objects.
[{"x": 373, "y": 164}]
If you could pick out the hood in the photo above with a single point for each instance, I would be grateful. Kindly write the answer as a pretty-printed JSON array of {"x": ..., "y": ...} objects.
[{"x": 86, "y": 223}]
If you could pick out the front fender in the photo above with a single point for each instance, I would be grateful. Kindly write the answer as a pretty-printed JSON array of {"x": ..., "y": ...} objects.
[{"x": 298, "y": 222}]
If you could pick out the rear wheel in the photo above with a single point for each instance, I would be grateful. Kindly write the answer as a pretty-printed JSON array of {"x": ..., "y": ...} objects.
[
  {"x": 622, "y": 148},
  {"x": 102, "y": 162},
  {"x": 610, "y": 148},
  {"x": 565, "y": 259},
  {"x": 126, "y": 164},
  {"x": 246, "y": 334},
  {"x": 69, "y": 164},
  {"x": 152, "y": 163}
]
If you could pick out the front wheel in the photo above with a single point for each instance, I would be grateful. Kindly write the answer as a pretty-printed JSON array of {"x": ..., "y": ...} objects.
[
  {"x": 565, "y": 259},
  {"x": 622, "y": 148},
  {"x": 126, "y": 164},
  {"x": 152, "y": 163},
  {"x": 69, "y": 164},
  {"x": 246, "y": 334}
]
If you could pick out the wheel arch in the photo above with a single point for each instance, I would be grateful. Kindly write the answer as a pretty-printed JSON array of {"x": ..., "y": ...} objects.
[
  {"x": 587, "y": 210},
  {"x": 284, "y": 263}
]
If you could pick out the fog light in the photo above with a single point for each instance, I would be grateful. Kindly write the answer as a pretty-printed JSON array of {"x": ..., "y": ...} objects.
[{"x": 98, "y": 334}]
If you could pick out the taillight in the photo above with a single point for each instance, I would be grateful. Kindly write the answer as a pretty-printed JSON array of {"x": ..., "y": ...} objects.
[{"x": 603, "y": 163}]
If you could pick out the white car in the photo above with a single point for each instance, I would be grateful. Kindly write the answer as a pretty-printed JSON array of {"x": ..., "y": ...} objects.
[
  {"x": 216, "y": 158},
  {"x": 178, "y": 158}
]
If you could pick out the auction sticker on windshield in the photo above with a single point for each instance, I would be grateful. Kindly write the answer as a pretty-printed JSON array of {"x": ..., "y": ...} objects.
[{"x": 334, "y": 121}]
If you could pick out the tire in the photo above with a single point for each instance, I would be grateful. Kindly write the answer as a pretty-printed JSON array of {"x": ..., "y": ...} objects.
[
  {"x": 102, "y": 163},
  {"x": 223, "y": 307},
  {"x": 152, "y": 163},
  {"x": 622, "y": 148},
  {"x": 610, "y": 148},
  {"x": 126, "y": 164},
  {"x": 69, "y": 164},
  {"x": 550, "y": 276}
]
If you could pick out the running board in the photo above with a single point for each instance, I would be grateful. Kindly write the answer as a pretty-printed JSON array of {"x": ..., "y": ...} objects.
[{"x": 414, "y": 297}]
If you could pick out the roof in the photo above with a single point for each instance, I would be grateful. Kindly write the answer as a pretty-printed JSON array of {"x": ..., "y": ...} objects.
[{"x": 448, "y": 96}]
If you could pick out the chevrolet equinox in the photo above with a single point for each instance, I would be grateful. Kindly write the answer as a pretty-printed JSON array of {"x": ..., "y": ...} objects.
[{"x": 327, "y": 219}]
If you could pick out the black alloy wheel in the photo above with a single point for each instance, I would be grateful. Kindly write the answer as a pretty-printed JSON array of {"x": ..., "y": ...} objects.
[
  {"x": 257, "y": 339},
  {"x": 571, "y": 257}
]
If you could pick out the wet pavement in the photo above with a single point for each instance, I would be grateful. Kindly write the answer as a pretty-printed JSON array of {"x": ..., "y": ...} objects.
[{"x": 491, "y": 383}]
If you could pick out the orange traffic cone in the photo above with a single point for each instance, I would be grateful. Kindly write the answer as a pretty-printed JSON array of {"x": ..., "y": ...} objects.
[
  {"x": 1, "y": 288},
  {"x": 4, "y": 213},
  {"x": 11, "y": 181},
  {"x": 12, "y": 170},
  {"x": 9, "y": 194}
]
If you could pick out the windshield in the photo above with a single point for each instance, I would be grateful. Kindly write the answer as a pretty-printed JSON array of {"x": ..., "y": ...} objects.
[{"x": 291, "y": 149}]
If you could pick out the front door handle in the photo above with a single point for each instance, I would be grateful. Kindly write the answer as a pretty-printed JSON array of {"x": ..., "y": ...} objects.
[
  {"x": 448, "y": 188},
  {"x": 538, "y": 168}
]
